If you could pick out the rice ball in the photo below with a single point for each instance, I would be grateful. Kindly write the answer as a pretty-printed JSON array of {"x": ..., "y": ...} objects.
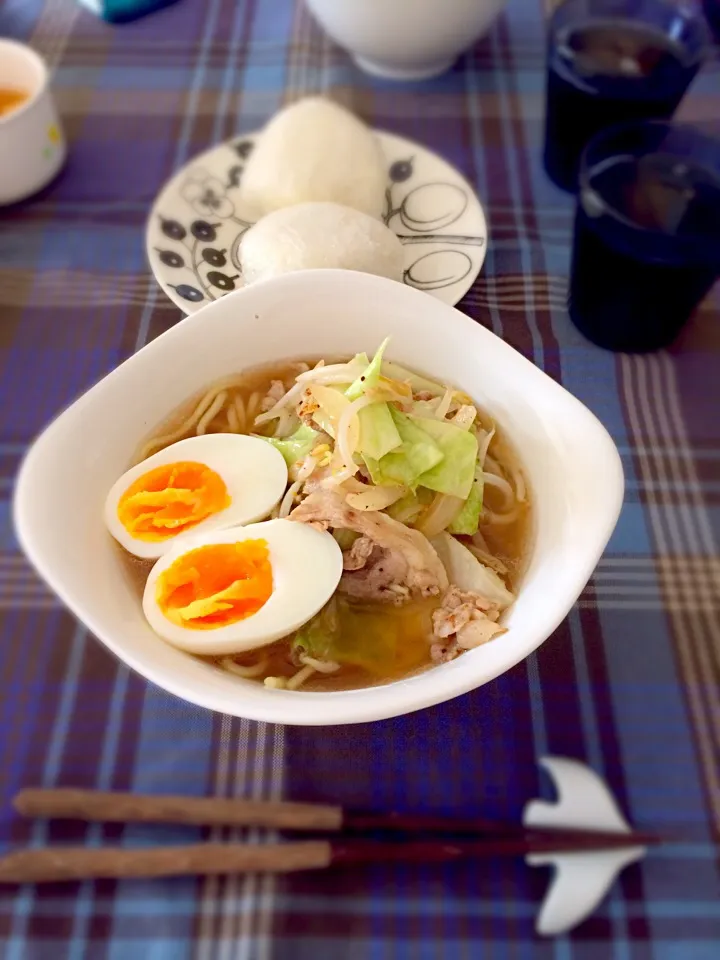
[
  {"x": 308, "y": 236},
  {"x": 315, "y": 150}
]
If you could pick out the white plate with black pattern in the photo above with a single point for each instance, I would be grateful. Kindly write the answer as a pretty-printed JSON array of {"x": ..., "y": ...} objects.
[{"x": 197, "y": 222}]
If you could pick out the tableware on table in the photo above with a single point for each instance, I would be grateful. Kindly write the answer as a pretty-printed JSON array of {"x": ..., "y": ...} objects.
[
  {"x": 611, "y": 61},
  {"x": 70, "y": 803},
  {"x": 583, "y": 835},
  {"x": 405, "y": 39},
  {"x": 32, "y": 147},
  {"x": 198, "y": 220},
  {"x": 646, "y": 248},
  {"x": 571, "y": 465},
  {"x": 122, "y": 11},
  {"x": 52, "y": 864},
  {"x": 711, "y": 9}
]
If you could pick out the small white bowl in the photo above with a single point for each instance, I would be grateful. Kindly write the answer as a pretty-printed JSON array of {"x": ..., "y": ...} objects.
[
  {"x": 32, "y": 146},
  {"x": 405, "y": 39},
  {"x": 572, "y": 466}
]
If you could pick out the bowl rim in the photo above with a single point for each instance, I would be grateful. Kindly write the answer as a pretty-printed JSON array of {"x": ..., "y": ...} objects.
[{"x": 307, "y": 708}]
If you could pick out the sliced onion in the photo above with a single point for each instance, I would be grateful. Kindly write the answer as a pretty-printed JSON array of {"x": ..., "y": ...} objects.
[
  {"x": 440, "y": 514},
  {"x": 465, "y": 417},
  {"x": 346, "y": 371},
  {"x": 353, "y": 485},
  {"x": 500, "y": 483},
  {"x": 348, "y": 437},
  {"x": 290, "y": 399},
  {"x": 444, "y": 405},
  {"x": 376, "y": 498}
]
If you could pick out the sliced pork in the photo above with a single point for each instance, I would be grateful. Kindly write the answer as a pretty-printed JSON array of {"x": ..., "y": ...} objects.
[
  {"x": 463, "y": 620},
  {"x": 402, "y": 562}
]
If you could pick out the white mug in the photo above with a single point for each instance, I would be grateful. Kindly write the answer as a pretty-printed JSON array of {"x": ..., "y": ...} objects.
[{"x": 32, "y": 146}]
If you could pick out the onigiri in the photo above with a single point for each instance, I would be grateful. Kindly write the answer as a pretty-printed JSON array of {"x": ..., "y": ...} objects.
[
  {"x": 312, "y": 235},
  {"x": 315, "y": 150}
]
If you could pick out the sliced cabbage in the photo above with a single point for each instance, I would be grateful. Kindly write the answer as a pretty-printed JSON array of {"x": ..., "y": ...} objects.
[
  {"x": 297, "y": 445},
  {"x": 455, "y": 472},
  {"x": 465, "y": 571},
  {"x": 370, "y": 376},
  {"x": 417, "y": 454},
  {"x": 468, "y": 520},
  {"x": 364, "y": 637},
  {"x": 378, "y": 433}
]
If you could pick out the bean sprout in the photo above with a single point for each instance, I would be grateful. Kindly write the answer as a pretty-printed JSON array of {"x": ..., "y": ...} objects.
[{"x": 286, "y": 504}]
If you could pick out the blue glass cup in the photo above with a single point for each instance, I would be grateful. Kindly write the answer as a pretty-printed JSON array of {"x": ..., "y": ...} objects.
[
  {"x": 712, "y": 12},
  {"x": 646, "y": 247},
  {"x": 613, "y": 61}
]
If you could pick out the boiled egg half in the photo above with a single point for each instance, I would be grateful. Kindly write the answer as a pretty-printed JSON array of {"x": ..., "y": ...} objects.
[
  {"x": 204, "y": 483},
  {"x": 232, "y": 590}
]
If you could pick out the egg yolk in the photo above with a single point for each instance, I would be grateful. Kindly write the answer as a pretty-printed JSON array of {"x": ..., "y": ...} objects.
[
  {"x": 170, "y": 499},
  {"x": 215, "y": 585}
]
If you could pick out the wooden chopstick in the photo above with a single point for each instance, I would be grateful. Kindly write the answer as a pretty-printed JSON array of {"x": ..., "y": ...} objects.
[
  {"x": 72, "y": 804},
  {"x": 118, "y": 807},
  {"x": 53, "y": 864}
]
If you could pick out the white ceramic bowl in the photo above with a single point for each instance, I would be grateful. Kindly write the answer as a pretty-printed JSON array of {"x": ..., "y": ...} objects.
[
  {"x": 572, "y": 466},
  {"x": 405, "y": 39}
]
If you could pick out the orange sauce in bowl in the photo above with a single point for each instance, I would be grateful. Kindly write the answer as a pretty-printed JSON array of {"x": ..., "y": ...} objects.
[{"x": 10, "y": 99}]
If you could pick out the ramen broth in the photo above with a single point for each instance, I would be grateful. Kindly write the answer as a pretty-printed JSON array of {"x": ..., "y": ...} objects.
[{"x": 410, "y": 625}]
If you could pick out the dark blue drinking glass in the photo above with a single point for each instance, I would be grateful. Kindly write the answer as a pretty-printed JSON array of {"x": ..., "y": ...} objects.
[
  {"x": 613, "y": 61},
  {"x": 646, "y": 247},
  {"x": 712, "y": 12}
]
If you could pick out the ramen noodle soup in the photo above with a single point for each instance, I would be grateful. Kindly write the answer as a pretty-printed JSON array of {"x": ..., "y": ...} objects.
[{"x": 325, "y": 524}]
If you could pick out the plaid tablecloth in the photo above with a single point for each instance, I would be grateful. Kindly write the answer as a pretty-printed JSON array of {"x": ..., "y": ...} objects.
[{"x": 630, "y": 682}]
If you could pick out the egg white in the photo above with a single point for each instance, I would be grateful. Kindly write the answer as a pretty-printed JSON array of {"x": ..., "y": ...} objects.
[
  {"x": 306, "y": 566},
  {"x": 254, "y": 472}
]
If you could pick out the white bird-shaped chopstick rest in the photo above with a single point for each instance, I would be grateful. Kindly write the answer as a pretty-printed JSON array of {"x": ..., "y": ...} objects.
[{"x": 581, "y": 879}]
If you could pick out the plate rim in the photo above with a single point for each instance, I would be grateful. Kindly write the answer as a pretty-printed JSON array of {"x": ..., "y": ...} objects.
[{"x": 188, "y": 308}]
